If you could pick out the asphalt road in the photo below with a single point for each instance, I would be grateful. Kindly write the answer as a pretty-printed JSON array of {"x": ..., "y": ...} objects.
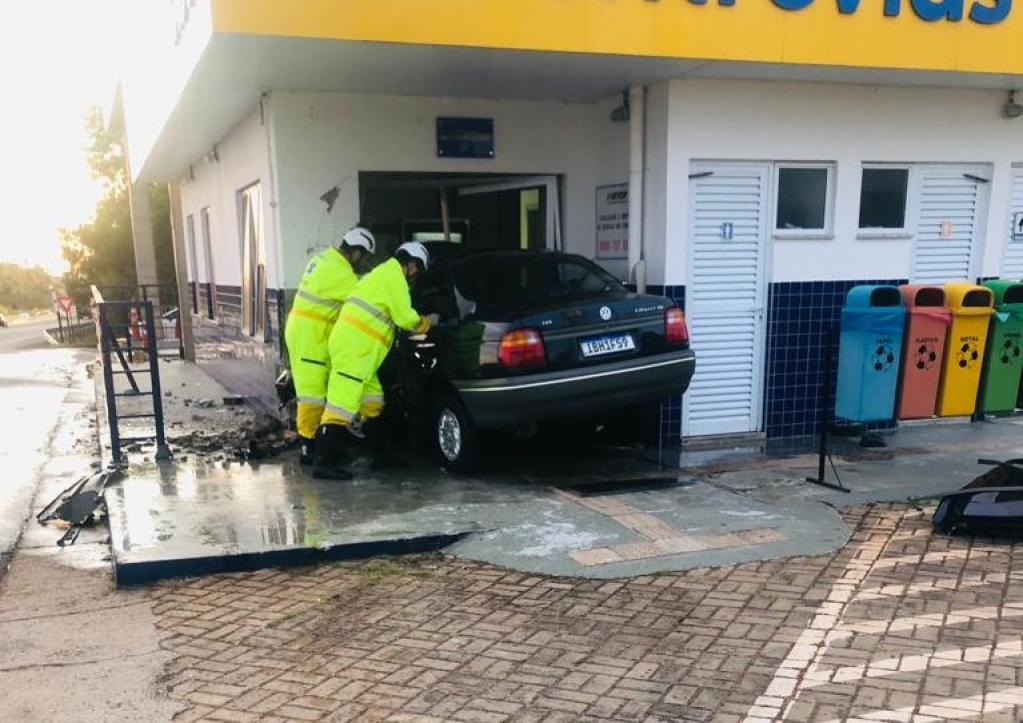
[{"x": 34, "y": 381}]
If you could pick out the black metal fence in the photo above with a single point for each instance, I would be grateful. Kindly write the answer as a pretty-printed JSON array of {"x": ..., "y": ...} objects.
[{"x": 131, "y": 373}]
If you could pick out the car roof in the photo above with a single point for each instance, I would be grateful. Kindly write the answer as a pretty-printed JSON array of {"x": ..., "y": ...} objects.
[{"x": 447, "y": 254}]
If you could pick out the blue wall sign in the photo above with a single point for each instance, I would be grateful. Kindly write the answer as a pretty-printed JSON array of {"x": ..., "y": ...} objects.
[{"x": 465, "y": 137}]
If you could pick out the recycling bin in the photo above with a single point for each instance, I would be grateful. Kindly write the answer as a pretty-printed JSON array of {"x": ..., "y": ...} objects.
[
  {"x": 971, "y": 307},
  {"x": 1000, "y": 382},
  {"x": 923, "y": 350},
  {"x": 870, "y": 347}
]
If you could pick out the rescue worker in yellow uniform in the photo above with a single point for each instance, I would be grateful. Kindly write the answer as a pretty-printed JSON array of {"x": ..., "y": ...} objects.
[
  {"x": 328, "y": 279},
  {"x": 360, "y": 341}
]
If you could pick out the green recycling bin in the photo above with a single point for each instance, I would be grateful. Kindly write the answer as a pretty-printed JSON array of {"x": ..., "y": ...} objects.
[{"x": 1004, "y": 359}]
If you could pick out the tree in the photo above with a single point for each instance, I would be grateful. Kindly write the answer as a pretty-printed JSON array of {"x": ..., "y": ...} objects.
[
  {"x": 101, "y": 252},
  {"x": 24, "y": 288}
]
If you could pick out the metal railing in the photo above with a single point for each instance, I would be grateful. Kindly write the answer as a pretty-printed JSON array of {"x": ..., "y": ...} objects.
[{"x": 136, "y": 360}]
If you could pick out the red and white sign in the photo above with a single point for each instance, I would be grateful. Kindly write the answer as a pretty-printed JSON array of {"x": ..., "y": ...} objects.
[
  {"x": 65, "y": 304},
  {"x": 613, "y": 221}
]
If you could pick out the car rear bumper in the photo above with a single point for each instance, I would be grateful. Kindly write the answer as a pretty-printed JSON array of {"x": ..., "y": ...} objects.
[{"x": 512, "y": 400}]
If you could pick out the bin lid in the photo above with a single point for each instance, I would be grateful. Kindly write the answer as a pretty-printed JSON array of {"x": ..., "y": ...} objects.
[
  {"x": 1007, "y": 293},
  {"x": 869, "y": 296},
  {"x": 914, "y": 295},
  {"x": 964, "y": 298}
]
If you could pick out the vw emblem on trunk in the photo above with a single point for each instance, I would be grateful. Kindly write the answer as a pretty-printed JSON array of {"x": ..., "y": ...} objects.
[{"x": 605, "y": 312}]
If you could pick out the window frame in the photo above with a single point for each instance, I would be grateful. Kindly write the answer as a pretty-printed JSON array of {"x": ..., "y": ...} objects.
[
  {"x": 206, "y": 225},
  {"x": 191, "y": 264},
  {"x": 253, "y": 253},
  {"x": 828, "y": 231},
  {"x": 876, "y": 232}
]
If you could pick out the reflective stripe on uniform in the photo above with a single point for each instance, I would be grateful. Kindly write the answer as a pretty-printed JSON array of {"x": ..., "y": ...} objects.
[
  {"x": 342, "y": 413},
  {"x": 311, "y": 315},
  {"x": 367, "y": 329},
  {"x": 373, "y": 311},
  {"x": 313, "y": 298},
  {"x": 311, "y": 400},
  {"x": 371, "y": 398}
]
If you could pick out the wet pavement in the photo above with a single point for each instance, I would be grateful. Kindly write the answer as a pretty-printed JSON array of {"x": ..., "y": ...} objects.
[
  {"x": 33, "y": 383},
  {"x": 603, "y": 513}
]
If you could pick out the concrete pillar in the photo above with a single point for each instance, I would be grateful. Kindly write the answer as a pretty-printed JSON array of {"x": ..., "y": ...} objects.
[
  {"x": 181, "y": 272},
  {"x": 142, "y": 233}
]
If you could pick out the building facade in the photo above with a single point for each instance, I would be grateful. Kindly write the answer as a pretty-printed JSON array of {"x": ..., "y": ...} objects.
[{"x": 753, "y": 159}]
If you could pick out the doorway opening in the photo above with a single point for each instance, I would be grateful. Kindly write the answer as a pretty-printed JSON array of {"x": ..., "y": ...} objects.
[{"x": 467, "y": 211}]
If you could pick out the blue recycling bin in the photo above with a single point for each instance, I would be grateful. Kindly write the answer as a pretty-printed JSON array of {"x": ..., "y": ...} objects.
[{"x": 869, "y": 353}]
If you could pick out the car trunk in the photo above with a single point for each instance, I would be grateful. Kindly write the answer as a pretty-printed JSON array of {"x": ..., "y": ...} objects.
[{"x": 586, "y": 331}]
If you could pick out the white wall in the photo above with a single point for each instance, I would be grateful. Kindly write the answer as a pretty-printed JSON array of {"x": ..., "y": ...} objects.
[
  {"x": 243, "y": 159},
  {"x": 326, "y": 139},
  {"x": 848, "y": 125}
]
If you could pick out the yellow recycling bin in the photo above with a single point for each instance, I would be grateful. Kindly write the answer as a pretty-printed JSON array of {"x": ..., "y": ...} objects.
[{"x": 971, "y": 308}]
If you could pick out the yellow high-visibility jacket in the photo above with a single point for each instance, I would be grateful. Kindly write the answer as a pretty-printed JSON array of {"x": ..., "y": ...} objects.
[
  {"x": 326, "y": 283},
  {"x": 364, "y": 331}
]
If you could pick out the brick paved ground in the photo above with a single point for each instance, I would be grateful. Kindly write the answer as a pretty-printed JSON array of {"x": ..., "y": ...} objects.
[{"x": 900, "y": 625}]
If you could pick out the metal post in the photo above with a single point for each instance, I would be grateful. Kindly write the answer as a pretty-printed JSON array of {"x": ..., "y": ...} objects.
[
  {"x": 108, "y": 384},
  {"x": 162, "y": 450},
  {"x": 830, "y": 342}
]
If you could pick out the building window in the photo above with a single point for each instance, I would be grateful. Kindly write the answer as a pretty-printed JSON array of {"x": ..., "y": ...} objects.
[
  {"x": 191, "y": 270},
  {"x": 250, "y": 207},
  {"x": 207, "y": 252},
  {"x": 883, "y": 196},
  {"x": 805, "y": 194}
]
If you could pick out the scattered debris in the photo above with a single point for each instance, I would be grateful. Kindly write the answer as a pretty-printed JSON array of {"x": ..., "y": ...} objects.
[{"x": 78, "y": 505}]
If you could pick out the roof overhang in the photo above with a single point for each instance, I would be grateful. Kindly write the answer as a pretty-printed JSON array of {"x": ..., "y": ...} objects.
[{"x": 235, "y": 69}]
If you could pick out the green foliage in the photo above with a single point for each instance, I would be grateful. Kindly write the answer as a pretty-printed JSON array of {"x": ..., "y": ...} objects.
[
  {"x": 24, "y": 288},
  {"x": 101, "y": 252}
]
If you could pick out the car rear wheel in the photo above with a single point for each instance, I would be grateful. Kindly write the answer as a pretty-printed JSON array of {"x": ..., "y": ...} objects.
[{"x": 455, "y": 438}]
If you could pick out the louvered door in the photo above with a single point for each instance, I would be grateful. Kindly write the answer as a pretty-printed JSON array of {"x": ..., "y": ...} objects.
[
  {"x": 1012, "y": 260},
  {"x": 951, "y": 203},
  {"x": 728, "y": 230}
]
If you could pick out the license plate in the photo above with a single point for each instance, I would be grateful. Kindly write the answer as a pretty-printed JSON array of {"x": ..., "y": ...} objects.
[{"x": 607, "y": 344}]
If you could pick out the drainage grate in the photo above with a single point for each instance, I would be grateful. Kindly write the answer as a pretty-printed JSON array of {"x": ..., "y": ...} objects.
[{"x": 625, "y": 486}]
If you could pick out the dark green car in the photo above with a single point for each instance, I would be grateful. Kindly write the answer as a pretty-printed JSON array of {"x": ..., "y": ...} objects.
[{"x": 529, "y": 336}]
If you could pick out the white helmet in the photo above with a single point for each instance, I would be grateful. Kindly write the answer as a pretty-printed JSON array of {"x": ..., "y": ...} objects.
[
  {"x": 358, "y": 236},
  {"x": 417, "y": 251}
]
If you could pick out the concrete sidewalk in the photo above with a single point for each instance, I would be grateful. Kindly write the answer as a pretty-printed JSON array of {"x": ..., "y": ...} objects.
[
  {"x": 894, "y": 623},
  {"x": 598, "y": 514}
]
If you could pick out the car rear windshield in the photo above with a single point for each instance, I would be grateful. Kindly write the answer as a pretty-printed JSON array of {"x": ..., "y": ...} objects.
[{"x": 509, "y": 282}]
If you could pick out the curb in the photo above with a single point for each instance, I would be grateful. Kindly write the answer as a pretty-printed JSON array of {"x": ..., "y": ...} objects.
[{"x": 127, "y": 574}]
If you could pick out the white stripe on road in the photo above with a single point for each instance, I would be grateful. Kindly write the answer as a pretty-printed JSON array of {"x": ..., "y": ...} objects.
[
  {"x": 960, "y": 709},
  {"x": 915, "y": 663}
]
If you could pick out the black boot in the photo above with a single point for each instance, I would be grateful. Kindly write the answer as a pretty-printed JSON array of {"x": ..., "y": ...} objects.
[
  {"x": 383, "y": 454},
  {"x": 306, "y": 450},
  {"x": 329, "y": 456}
]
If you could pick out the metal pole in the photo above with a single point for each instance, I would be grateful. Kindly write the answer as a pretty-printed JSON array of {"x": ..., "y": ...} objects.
[
  {"x": 831, "y": 340},
  {"x": 108, "y": 384},
  {"x": 162, "y": 450}
]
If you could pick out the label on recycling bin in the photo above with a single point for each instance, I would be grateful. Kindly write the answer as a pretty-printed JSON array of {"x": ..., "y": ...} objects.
[
  {"x": 924, "y": 355},
  {"x": 883, "y": 357},
  {"x": 966, "y": 351}
]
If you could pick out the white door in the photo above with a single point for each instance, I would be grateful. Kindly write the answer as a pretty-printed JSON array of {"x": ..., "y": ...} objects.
[
  {"x": 728, "y": 231},
  {"x": 951, "y": 204},
  {"x": 1012, "y": 260}
]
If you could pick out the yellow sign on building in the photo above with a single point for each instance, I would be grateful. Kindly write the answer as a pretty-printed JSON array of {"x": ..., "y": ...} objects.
[{"x": 945, "y": 35}]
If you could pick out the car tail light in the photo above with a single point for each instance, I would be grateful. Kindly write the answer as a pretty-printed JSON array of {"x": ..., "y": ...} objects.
[
  {"x": 522, "y": 348},
  {"x": 675, "y": 329}
]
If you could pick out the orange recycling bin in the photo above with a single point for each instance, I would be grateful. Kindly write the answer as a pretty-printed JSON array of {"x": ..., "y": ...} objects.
[
  {"x": 971, "y": 308},
  {"x": 923, "y": 350}
]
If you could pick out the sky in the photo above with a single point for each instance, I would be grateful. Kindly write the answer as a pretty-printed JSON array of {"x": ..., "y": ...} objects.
[{"x": 57, "y": 57}]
